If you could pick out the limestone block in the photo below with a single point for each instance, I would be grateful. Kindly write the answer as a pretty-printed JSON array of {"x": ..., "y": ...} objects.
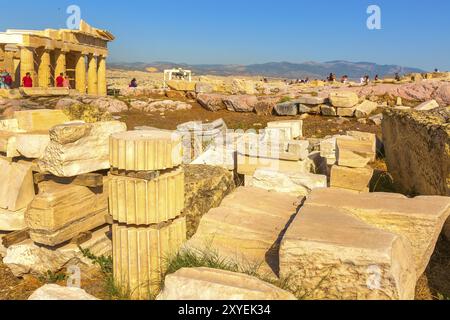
[
  {"x": 141, "y": 277},
  {"x": 142, "y": 202},
  {"x": 220, "y": 156},
  {"x": 310, "y": 100},
  {"x": 364, "y": 109},
  {"x": 212, "y": 284},
  {"x": 40, "y": 120},
  {"x": 344, "y": 99},
  {"x": 205, "y": 188},
  {"x": 346, "y": 112},
  {"x": 377, "y": 119},
  {"x": 286, "y": 109},
  {"x": 247, "y": 165},
  {"x": 293, "y": 150},
  {"x": 28, "y": 258},
  {"x": 145, "y": 150},
  {"x": 296, "y": 127},
  {"x": 11, "y": 125},
  {"x": 368, "y": 137},
  {"x": 12, "y": 220},
  {"x": 246, "y": 227},
  {"x": 16, "y": 187},
  {"x": 181, "y": 85},
  {"x": 354, "y": 153},
  {"x": 357, "y": 179},
  {"x": 51, "y": 292},
  {"x": 332, "y": 255},
  {"x": 308, "y": 109},
  {"x": 328, "y": 111},
  {"x": 420, "y": 220},
  {"x": 32, "y": 145},
  {"x": 299, "y": 184},
  {"x": 79, "y": 148},
  {"x": 60, "y": 212},
  {"x": 8, "y": 144},
  {"x": 427, "y": 106}
]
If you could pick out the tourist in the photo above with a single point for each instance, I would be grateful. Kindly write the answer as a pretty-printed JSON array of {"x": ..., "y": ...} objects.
[
  {"x": 397, "y": 77},
  {"x": 66, "y": 82},
  {"x": 60, "y": 81},
  {"x": 2, "y": 79},
  {"x": 27, "y": 81},
  {"x": 8, "y": 80},
  {"x": 344, "y": 79},
  {"x": 377, "y": 78},
  {"x": 133, "y": 83}
]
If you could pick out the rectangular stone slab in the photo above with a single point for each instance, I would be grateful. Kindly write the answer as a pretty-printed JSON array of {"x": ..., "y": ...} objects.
[
  {"x": 420, "y": 220},
  {"x": 16, "y": 187},
  {"x": 246, "y": 227},
  {"x": 332, "y": 255},
  {"x": 357, "y": 179},
  {"x": 40, "y": 120},
  {"x": 248, "y": 165},
  {"x": 354, "y": 153},
  {"x": 60, "y": 212}
]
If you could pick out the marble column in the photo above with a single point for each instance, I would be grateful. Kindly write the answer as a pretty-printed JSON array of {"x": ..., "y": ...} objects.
[
  {"x": 44, "y": 71},
  {"x": 80, "y": 73},
  {"x": 60, "y": 63},
  {"x": 101, "y": 76},
  {"x": 27, "y": 64},
  {"x": 92, "y": 75}
]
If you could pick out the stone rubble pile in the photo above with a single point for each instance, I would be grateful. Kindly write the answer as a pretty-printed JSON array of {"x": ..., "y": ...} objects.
[{"x": 55, "y": 198}]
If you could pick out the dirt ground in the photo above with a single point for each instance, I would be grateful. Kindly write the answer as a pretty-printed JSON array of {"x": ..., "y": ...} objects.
[{"x": 314, "y": 126}]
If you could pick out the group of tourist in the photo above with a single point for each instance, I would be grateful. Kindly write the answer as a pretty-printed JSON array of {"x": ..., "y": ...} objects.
[
  {"x": 62, "y": 81},
  {"x": 5, "y": 80}
]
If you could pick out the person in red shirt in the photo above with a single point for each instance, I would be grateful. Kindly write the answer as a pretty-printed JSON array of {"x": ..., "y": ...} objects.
[
  {"x": 27, "y": 81},
  {"x": 8, "y": 81},
  {"x": 60, "y": 80}
]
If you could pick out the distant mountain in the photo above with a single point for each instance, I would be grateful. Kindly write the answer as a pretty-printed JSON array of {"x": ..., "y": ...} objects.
[{"x": 289, "y": 70}]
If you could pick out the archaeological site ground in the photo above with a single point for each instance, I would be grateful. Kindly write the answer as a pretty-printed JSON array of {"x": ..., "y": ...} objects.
[{"x": 175, "y": 182}]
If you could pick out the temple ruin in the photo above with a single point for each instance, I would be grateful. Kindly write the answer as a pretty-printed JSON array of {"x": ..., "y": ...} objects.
[{"x": 81, "y": 54}]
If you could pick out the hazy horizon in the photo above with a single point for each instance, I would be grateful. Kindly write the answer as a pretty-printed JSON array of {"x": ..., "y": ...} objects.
[{"x": 413, "y": 33}]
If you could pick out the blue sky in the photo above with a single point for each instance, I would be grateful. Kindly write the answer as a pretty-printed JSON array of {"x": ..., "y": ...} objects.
[{"x": 414, "y": 33}]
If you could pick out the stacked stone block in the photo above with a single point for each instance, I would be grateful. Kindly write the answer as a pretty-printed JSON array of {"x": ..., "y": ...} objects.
[{"x": 146, "y": 201}]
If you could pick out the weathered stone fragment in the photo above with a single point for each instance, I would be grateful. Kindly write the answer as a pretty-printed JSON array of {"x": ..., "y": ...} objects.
[
  {"x": 417, "y": 148},
  {"x": 328, "y": 111},
  {"x": 145, "y": 150},
  {"x": 357, "y": 179},
  {"x": 310, "y": 100},
  {"x": 420, "y": 220},
  {"x": 32, "y": 146},
  {"x": 79, "y": 148},
  {"x": 40, "y": 120},
  {"x": 16, "y": 187},
  {"x": 299, "y": 184},
  {"x": 205, "y": 188},
  {"x": 296, "y": 127},
  {"x": 247, "y": 165},
  {"x": 346, "y": 112},
  {"x": 60, "y": 212},
  {"x": 12, "y": 220},
  {"x": 427, "y": 106},
  {"x": 55, "y": 292},
  {"x": 364, "y": 109},
  {"x": 332, "y": 255},
  {"x": 212, "y": 284},
  {"x": 354, "y": 153},
  {"x": 286, "y": 109},
  {"x": 344, "y": 99}
]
